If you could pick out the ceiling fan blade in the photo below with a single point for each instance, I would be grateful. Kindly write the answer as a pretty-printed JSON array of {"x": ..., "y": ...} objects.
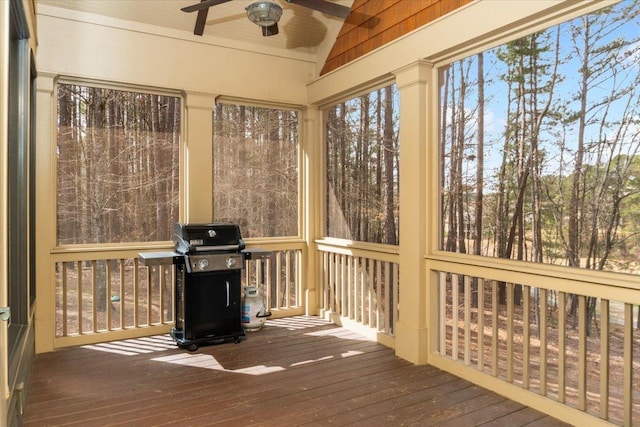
[
  {"x": 201, "y": 20},
  {"x": 204, "y": 4},
  {"x": 271, "y": 30},
  {"x": 324, "y": 6}
]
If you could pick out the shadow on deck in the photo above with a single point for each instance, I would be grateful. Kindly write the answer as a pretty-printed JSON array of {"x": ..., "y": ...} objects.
[{"x": 295, "y": 371}]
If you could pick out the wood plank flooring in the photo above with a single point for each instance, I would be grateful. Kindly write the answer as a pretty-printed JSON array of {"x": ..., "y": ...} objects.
[{"x": 295, "y": 371}]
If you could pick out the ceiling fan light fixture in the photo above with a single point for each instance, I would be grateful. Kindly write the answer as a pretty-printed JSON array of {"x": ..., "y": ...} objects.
[{"x": 264, "y": 13}]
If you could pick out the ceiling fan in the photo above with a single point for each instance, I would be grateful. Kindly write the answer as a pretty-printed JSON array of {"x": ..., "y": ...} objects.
[{"x": 265, "y": 13}]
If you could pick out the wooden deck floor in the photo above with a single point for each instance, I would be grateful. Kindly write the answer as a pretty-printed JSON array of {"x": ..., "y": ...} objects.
[{"x": 296, "y": 371}]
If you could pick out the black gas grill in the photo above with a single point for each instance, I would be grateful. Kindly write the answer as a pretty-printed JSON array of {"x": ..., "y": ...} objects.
[
  {"x": 208, "y": 262},
  {"x": 209, "y": 259}
]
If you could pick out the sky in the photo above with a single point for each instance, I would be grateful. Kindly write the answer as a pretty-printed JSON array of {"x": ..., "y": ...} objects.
[{"x": 604, "y": 116}]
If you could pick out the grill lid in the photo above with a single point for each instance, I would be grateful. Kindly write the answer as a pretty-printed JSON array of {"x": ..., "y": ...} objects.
[{"x": 219, "y": 236}]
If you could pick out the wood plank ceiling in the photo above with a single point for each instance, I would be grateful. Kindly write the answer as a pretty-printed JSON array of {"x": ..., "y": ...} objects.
[{"x": 374, "y": 23}]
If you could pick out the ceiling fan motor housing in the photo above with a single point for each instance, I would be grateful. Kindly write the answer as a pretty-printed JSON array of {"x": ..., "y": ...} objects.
[{"x": 264, "y": 13}]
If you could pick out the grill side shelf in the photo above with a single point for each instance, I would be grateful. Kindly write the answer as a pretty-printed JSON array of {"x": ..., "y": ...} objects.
[{"x": 160, "y": 258}]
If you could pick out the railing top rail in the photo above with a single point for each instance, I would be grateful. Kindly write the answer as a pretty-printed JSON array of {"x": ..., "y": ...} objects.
[
  {"x": 131, "y": 250},
  {"x": 616, "y": 286},
  {"x": 369, "y": 250},
  {"x": 275, "y": 244},
  {"x": 111, "y": 247}
]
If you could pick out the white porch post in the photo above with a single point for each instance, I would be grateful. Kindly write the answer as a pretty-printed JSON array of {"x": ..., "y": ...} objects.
[
  {"x": 413, "y": 83},
  {"x": 45, "y": 327},
  {"x": 311, "y": 204},
  {"x": 197, "y": 160}
]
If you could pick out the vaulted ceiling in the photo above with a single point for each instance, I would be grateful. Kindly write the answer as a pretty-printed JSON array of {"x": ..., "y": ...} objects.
[
  {"x": 302, "y": 30},
  {"x": 304, "y": 34}
]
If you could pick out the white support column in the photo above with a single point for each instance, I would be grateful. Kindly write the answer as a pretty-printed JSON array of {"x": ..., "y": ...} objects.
[
  {"x": 45, "y": 214},
  {"x": 413, "y": 83},
  {"x": 311, "y": 202},
  {"x": 198, "y": 160}
]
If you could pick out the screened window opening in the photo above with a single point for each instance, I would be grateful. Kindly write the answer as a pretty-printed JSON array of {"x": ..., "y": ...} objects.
[
  {"x": 540, "y": 140},
  {"x": 255, "y": 169},
  {"x": 362, "y": 149},
  {"x": 117, "y": 165}
]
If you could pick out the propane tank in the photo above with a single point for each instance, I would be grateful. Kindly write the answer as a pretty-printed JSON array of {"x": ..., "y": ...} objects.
[{"x": 254, "y": 312}]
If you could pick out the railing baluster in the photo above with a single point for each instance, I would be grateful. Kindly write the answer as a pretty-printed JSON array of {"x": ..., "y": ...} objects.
[
  {"x": 562, "y": 346},
  {"x": 94, "y": 296},
  {"x": 334, "y": 289},
  {"x": 136, "y": 293},
  {"x": 354, "y": 288},
  {"x": 582, "y": 352},
  {"x": 494, "y": 328},
  {"x": 65, "y": 300},
  {"x": 329, "y": 282},
  {"x": 442, "y": 291},
  {"x": 356, "y": 284},
  {"x": 396, "y": 293},
  {"x": 297, "y": 296},
  {"x": 161, "y": 294},
  {"x": 480, "y": 294},
  {"x": 266, "y": 293},
  {"x": 378, "y": 306},
  {"x": 172, "y": 295},
  {"x": 343, "y": 285},
  {"x": 542, "y": 332},
  {"x": 370, "y": 290},
  {"x": 80, "y": 298},
  {"x": 278, "y": 291},
  {"x": 271, "y": 293},
  {"x": 604, "y": 359},
  {"x": 467, "y": 320},
  {"x": 325, "y": 280},
  {"x": 388, "y": 298},
  {"x": 260, "y": 274},
  {"x": 287, "y": 283},
  {"x": 360, "y": 311},
  {"x": 109, "y": 285},
  {"x": 337, "y": 283},
  {"x": 246, "y": 273},
  {"x": 362, "y": 292},
  {"x": 365, "y": 291},
  {"x": 509, "y": 316},
  {"x": 148, "y": 297},
  {"x": 123, "y": 300},
  {"x": 526, "y": 329},
  {"x": 454, "y": 308},
  {"x": 627, "y": 387}
]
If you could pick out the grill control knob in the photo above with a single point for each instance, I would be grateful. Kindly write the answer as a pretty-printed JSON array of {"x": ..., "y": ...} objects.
[
  {"x": 231, "y": 262},
  {"x": 203, "y": 264}
]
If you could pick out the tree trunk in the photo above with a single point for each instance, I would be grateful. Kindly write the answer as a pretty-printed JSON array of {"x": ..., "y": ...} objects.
[{"x": 389, "y": 156}]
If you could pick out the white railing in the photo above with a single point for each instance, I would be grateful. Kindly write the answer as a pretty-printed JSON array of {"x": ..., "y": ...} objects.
[
  {"x": 103, "y": 292},
  {"x": 106, "y": 295},
  {"x": 360, "y": 284},
  {"x": 572, "y": 342},
  {"x": 278, "y": 279}
]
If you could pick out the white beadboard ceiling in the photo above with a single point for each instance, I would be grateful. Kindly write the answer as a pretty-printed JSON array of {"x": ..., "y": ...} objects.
[{"x": 301, "y": 30}]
